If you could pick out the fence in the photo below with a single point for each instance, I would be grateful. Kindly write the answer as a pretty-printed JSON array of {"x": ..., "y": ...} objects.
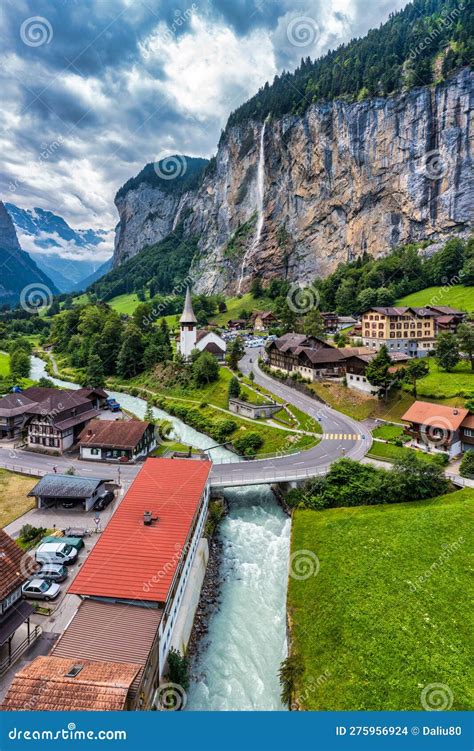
[{"x": 16, "y": 653}]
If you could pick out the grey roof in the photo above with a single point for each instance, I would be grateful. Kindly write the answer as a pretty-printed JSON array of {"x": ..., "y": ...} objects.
[
  {"x": 188, "y": 312},
  {"x": 66, "y": 486},
  {"x": 15, "y": 404}
]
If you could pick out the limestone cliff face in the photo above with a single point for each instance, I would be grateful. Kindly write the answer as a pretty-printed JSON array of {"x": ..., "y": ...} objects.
[{"x": 339, "y": 180}]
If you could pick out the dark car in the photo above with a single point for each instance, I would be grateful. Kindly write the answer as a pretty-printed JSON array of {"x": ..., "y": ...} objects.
[
  {"x": 69, "y": 504},
  {"x": 103, "y": 501},
  {"x": 53, "y": 571}
]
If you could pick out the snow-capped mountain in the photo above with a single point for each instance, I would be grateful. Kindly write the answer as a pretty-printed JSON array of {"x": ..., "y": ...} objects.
[{"x": 68, "y": 256}]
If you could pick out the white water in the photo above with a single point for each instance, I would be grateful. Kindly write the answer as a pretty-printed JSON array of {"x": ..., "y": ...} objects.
[
  {"x": 260, "y": 198},
  {"x": 237, "y": 666}
]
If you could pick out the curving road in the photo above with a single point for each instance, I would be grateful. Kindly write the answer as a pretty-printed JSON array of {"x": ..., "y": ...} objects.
[{"x": 346, "y": 438}]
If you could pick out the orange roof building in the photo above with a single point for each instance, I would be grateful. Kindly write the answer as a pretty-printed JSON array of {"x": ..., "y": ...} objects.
[
  {"x": 63, "y": 684},
  {"x": 435, "y": 427}
]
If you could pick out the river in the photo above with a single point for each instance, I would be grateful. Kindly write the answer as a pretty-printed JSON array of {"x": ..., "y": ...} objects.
[{"x": 236, "y": 667}]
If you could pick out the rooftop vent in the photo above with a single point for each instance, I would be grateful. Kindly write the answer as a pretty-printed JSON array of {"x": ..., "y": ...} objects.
[
  {"x": 75, "y": 670},
  {"x": 455, "y": 411},
  {"x": 147, "y": 518}
]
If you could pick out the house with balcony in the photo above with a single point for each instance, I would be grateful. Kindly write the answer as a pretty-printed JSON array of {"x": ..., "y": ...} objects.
[
  {"x": 309, "y": 356},
  {"x": 433, "y": 427},
  {"x": 17, "y": 633}
]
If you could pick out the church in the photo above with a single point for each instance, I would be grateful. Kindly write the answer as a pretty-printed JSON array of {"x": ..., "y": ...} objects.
[{"x": 191, "y": 338}]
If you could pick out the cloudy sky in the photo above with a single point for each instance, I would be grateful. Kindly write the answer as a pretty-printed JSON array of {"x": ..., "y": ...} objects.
[{"x": 94, "y": 89}]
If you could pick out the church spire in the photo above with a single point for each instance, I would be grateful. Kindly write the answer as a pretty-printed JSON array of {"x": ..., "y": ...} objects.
[{"x": 188, "y": 312}]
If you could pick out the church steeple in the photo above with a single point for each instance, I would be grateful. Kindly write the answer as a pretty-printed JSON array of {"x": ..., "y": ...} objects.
[
  {"x": 188, "y": 326},
  {"x": 188, "y": 312}
]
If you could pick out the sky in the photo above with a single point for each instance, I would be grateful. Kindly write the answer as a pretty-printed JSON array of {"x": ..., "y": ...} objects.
[{"x": 94, "y": 89}]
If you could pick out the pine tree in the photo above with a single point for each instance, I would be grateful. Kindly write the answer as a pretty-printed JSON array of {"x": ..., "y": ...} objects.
[
  {"x": 95, "y": 377},
  {"x": 377, "y": 372}
]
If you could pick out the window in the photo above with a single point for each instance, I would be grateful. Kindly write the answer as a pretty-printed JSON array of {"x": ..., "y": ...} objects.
[
  {"x": 469, "y": 432},
  {"x": 95, "y": 452}
]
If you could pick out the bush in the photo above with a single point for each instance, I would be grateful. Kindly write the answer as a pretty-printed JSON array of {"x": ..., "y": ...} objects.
[
  {"x": 467, "y": 464},
  {"x": 349, "y": 483},
  {"x": 249, "y": 444}
]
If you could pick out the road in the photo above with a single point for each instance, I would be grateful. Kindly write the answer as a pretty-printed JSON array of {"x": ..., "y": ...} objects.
[
  {"x": 347, "y": 438},
  {"x": 342, "y": 436}
]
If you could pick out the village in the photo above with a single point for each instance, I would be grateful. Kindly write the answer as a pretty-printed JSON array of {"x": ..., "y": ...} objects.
[{"x": 128, "y": 547}]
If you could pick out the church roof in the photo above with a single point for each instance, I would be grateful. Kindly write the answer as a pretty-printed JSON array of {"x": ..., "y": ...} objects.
[{"x": 188, "y": 312}]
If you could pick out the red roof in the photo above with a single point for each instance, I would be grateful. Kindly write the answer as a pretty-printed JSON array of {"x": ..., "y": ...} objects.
[
  {"x": 132, "y": 561},
  {"x": 435, "y": 415}
]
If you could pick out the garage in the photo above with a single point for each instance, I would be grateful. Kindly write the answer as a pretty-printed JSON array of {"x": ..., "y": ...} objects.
[{"x": 68, "y": 491}]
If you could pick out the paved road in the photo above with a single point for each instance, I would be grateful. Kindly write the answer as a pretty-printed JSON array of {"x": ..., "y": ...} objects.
[{"x": 348, "y": 438}]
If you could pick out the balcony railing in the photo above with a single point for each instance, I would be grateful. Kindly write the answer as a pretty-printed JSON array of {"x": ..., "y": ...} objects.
[{"x": 20, "y": 649}]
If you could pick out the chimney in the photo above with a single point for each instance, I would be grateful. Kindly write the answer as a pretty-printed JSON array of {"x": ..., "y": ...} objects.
[
  {"x": 455, "y": 411},
  {"x": 147, "y": 518}
]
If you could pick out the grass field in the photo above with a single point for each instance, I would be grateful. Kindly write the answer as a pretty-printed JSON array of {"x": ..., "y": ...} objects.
[
  {"x": 388, "y": 452},
  {"x": 125, "y": 303},
  {"x": 359, "y": 406},
  {"x": 439, "y": 384},
  {"x": 4, "y": 364},
  {"x": 236, "y": 304},
  {"x": 13, "y": 500},
  {"x": 457, "y": 296},
  {"x": 390, "y": 432},
  {"x": 387, "y": 614}
]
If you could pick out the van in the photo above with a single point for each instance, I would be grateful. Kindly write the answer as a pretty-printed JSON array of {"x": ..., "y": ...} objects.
[{"x": 56, "y": 552}]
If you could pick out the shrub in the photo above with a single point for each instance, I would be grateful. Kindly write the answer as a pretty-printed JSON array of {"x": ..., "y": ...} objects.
[
  {"x": 249, "y": 444},
  {"x": 467, "y": 464}
]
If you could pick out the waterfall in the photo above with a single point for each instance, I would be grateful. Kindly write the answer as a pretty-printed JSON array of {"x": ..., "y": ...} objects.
[{"x": 260, "y": 197}]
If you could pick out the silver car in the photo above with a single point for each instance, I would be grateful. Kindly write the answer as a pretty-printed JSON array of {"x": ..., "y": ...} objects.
[
  {"x": 40, "y": 589},
  {"x": 53, "y": 571}
]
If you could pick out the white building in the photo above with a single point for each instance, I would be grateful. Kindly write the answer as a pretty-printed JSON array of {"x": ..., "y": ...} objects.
[{"x": 191, "y": 338}]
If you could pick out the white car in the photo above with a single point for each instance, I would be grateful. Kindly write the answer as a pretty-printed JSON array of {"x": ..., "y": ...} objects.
[
  {"x": 56, "y": 552},
  {"x": 40, "y": 589}
]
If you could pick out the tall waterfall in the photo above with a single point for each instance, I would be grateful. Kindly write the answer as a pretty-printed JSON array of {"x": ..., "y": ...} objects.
[{"x": 260, "y": 197}]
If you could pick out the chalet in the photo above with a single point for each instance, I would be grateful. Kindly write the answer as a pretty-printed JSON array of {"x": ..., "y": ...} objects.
[
  {"x": 448, "y": 319},
  {"x": 330, "y": 320},
  {"x": 51, "y": 419},
  {"x": 263, "y": 320},
  {"x": 237, "y": 324},
  {"x": 16, "y": 631},
  {"x": 357, "y": 359},
  {"x": 309, "y": 356},
  {"x": 144, "y": 559},
  {"x": 437, "y": 428},
  {"x": 56, "y": 489},
  {"x": 467, "y": 433},
  {"x": 117, "y": 440},
  {"x": 209, "y": 341}
]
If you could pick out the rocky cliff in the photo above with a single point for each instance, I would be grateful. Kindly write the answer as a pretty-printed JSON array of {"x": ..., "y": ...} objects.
[
  {"x": 337, "y": 181},
  {"x": 20, "y": 277}
]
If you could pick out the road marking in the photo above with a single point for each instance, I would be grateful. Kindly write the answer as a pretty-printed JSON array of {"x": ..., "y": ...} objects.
[{"x": 342, "y": 436}]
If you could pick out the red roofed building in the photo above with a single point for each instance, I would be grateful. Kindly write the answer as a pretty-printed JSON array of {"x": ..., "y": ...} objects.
[
  {"x": 146, "y": 552},
  {"x": 434, "y": 427}
]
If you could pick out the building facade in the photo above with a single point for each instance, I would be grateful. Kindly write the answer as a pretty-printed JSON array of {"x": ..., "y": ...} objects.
[
  {"x": 191, "y": 338},
  {"x": 433, "y": 427},
  {"x": 117, "y": 440},
  {"x": 308, "y": 356},
  {"x": 403, "y": 329}
]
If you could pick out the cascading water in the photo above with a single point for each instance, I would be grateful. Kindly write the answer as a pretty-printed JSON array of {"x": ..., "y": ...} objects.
[
  {"x": 237, "y": 667},
  {"x": 260, "y": 197}
]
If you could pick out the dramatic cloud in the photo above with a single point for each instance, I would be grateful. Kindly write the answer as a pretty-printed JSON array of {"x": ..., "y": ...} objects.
[{"x": 93, "y": 89}]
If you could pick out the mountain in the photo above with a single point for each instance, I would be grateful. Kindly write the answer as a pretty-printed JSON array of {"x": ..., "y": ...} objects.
[
  {"x": 66, "y": 255},
  {"x": 19, "y": 271},
  {"x": 94, "y": 277},
  {"x": 345, "y": 156}
]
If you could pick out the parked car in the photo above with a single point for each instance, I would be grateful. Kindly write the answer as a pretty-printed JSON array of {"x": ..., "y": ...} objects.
[
  {"x": 74, "y": 542},
  {"x": 40, "y": 589},
  {"x": 53, "y": 571},
  {"x": 69, "y": 503},
  {"x": 103, "y": 501},
  {"x": 56, "y": 552}
]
